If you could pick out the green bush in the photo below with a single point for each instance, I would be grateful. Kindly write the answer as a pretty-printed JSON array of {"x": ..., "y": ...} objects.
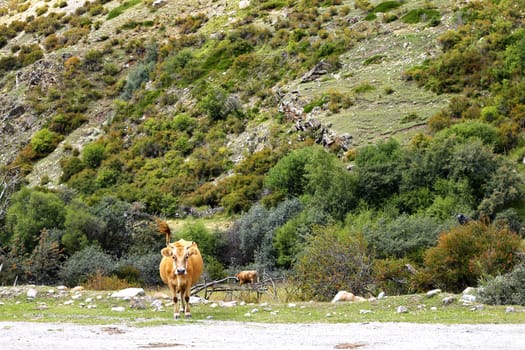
[
  {"x": 44, "y": 142},
  {"x": 422, "y": 15},
  {"x": 93, "y": 154},
  {"x": 70, "y": 166},
  {"x": 506, "y": 289},
  {"x": 333, "y": 260},
  {"x": 90, "y": 261}
]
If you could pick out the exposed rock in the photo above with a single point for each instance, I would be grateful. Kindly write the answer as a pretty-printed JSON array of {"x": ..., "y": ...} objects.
[
  {"x": 244, "y": 4},
  {"x": 449, "y": 299},
  {"x": 128, "y": 293},
  {"x": 321, "y": 68},
  {"x": 433, "y": 292},
  {"x": 343, "y": 295},
  {"x": 402, "y": 309},
  {"x": 31, "y": 293}
]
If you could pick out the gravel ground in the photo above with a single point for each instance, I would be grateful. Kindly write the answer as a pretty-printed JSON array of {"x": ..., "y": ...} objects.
[{"x": 237, "y": 335}]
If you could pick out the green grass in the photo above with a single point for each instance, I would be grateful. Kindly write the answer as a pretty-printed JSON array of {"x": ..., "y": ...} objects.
[
  {"x": 117, "y": 11},
  {"x": 422, "y": 309}
]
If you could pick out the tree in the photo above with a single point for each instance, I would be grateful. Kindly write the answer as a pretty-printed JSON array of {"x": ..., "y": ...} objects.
[
  {"x": 31, "y": 212},
  {"x": 333, "y": 260},
  {"x": 45, "y": 261}
]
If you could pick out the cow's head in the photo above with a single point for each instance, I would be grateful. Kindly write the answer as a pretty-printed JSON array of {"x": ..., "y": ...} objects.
[{"x": 180, "y": 254}]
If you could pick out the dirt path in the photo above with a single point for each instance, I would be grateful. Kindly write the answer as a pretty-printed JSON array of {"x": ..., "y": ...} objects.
[{"x": 236, "y": 335}]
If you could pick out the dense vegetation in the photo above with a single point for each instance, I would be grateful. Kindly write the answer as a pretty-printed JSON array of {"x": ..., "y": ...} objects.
[{"x": 295, "y": 205}]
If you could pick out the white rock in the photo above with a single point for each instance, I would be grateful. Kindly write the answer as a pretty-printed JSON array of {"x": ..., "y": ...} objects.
[
  {"x": 365, "y": 311},
  {"x": 128, "y": 293},
  {"x": 292, "y": 305},
  {"x": 31, "y": 293},
  {"x": 402, "y": 309},
  {"x": 255, "y": 310},
  {"x": 248, "y": 314},
  {"x": 468, "y": 297},
  {"x": 433, "y": 292},
  {"x": 381, "y": 295},
  {"x": 118, "y": 308},
  {"x": 244, "y": 4},
  {"x": 69, "y": 302}
]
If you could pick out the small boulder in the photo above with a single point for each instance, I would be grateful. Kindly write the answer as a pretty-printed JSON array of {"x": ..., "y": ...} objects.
[
  {"x": 433, "y": 292},
  {"x": 343, "y": 295},
  {"x": 128, "y": 293},
  {"x": 31, "y": 293}
]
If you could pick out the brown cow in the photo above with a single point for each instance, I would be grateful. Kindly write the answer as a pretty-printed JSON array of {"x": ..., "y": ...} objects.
[
  {"x": 181, "y": 267},
  {"x": 246, "y": 276}
]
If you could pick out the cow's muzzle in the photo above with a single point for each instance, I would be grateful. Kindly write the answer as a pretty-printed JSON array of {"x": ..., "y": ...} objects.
[{"x": 181, "y": 271}]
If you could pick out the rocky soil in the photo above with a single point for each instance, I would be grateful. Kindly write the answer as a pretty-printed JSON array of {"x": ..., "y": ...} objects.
[{"x": 222, "y": 335}]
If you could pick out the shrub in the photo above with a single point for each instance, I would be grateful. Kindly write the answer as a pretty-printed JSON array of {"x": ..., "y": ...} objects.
[
  {"x": 93, "y": 154},
  {"x": 88, "y": 262},
  {"x": 506, "y": 289},
  {"x": 468, "y": 252},
  {"x": 393, "y": 276},
  {"x": 333, "y": 260},
  {"x": 44, "y": 141}
]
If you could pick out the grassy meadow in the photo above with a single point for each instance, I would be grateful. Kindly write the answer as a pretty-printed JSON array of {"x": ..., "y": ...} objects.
[{"x": 99, "y": 307}]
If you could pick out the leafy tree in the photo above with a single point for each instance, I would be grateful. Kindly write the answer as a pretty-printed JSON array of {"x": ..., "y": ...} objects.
[
  {"x": 32, "y": 211},
  {"x": 45, "y": 261},
  {"x": 333, "y": 260},
  {"x": 403, "y": 236},
  {"x": 116, "y": 237},
  {"x": 80, "y": 227},
  {"x": 379, "y": 171}
]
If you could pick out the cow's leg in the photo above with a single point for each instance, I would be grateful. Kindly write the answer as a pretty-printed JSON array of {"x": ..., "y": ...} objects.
[
  {"x": 174, "y": 292},
  {"x": 187, "y": 312}
]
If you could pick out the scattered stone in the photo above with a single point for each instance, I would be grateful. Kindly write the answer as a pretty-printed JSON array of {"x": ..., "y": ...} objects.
[
  {"x": 69, "y": 302},
  {"x": 510, "y": 309},
  {"x": 31, "y": 293},
  {"x": 343, "y": 295},
  {"x": 362, "y": 312},
  {"x": 448, "y": 300},
  {"x": 159, "y": 3},
  {"x": 209, "y": 317},
  {"x": 381, "y": 295},
  {"x": 128, "y": 293},
  {"x": 469, "y": 290},
  {"x": 76, "y": 289},
  {"x": 248, "y": 314},
  {"x": 244, "y": 4},
  {"x": 402, "y": 309},
  {"x": 292, "y": 305},
  {"x": 62, "y": 288},
  {"x": 433, "y": 308},
  {"x": 197, "y": 300},
  {"x": 118, "y": 308},
  {"x": 433, "y": 292},
  {"x": 228, "y": 303},
  {"x": 468, "y": 297},
  {"x": 76, "y": 296}
]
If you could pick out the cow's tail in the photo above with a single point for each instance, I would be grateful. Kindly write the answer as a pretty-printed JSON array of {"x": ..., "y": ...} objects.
[{"x": 164, "y": 229}]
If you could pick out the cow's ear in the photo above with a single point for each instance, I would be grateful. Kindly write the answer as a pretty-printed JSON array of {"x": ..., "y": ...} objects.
[{"x": 166, "y": 252}]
